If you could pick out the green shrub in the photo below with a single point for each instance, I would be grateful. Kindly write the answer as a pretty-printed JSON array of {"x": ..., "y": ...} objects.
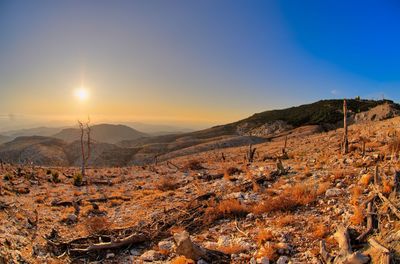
[
  {"x": 78, "y": 179},
  {"x": 54, "y": 177},
  {"x": 7, "y": 177}
]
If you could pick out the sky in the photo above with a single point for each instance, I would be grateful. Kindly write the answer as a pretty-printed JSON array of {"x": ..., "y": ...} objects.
[{"x": 190, "y": 63}]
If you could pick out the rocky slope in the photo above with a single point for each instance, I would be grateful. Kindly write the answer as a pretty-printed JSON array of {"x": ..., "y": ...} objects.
[{"x": 245, "y": 212}]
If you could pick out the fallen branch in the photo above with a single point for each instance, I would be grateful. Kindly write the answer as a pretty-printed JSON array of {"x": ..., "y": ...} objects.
[
  {"x": 153, "y": 229},
  {"x": 369, "y": 223},
  {"x": 132, "y": 239},
  {"x": 384, "y": 251},
  {"x": 388, "y": 202},
  {"x": 105, "y": 199}
]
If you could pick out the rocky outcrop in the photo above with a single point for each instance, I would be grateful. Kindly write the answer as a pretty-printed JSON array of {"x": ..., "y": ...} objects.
[
  {"x": 378, "y": 113},
  {"x": 265, "y": 130}
]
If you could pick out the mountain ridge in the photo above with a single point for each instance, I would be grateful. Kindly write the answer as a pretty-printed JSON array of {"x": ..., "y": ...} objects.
[
  {"x": 134, "y": 147},
  {"x": 106, "y": 133}
]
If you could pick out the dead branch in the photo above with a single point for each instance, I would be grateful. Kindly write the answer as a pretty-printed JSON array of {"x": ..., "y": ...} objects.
[
  {"x": 155, "y": 228},
  {"x": 324, "y": 254},
  {"x": 345, "y": 142},
  {"x": 376, "y": 175},
  {"x": 169, "y": 163},
  {"x": 250, "y": 153},
  {"x": 387, "y": 202},
  {"x": 384, "y": 251},
  {"x": 369, "y": 223},
  {"x": 118, "y": 243}
]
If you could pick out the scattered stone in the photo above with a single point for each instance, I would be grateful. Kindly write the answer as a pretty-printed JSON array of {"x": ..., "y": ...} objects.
[
  {"x": 250, "y": 216},
  {"x": 333, "y": 192},
  {"x": 166, "y": 245},
  {"x": 71, "y": 219},
  {"x": 151, "y": 255},
  {"x": 264, "y": 260},
  {"x": 134, "y": 252},
  {"x": 282, "y": 260},
  {"x": 110, "y": 255}
]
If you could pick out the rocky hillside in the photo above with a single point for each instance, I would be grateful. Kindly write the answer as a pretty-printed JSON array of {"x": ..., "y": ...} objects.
[
  {"x": 35, "y": 149},
  {"x": 56, "y": 152},
  {"x": 301, "y": 120},
  {"x": 105, "y": 133},
  {"x": 312, "y": 205},
  {"x": 117, "y": 145}
]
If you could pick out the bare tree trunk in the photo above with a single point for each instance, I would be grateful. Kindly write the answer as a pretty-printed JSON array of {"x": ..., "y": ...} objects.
[
  {"x": 88, "y": 132},
  {"x": 85, "y": 129},
  {"x": 81, "y": 127},
  {"x": 284, "y": 146},
  {"x": 345, "y": 143},
  {"x": 363, "y": 148},
  {"x": 250, "y": 154}
]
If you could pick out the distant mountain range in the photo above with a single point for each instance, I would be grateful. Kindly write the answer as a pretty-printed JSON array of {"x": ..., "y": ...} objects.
[
  {"x": 36, "y": 131},
  {"x": 146, "y": 129},
  {"x": 4, "y": 139},
  {"x": 105, "y": 133},
  {"x": 120, "y": 145}
]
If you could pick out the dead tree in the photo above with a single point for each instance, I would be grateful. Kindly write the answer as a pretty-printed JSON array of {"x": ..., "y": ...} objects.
[
  {"x": 250, "y": 154},
  {"x": 345, "y": 142},
  {"x": 284, "y": 147},
  {"x": 85, "y": 130}
]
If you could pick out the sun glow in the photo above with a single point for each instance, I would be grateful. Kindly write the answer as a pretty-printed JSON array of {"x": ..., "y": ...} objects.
[{"x": 81, "y": 93}]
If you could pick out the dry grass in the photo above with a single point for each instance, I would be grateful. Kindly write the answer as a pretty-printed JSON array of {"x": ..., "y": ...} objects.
[
  {"x": 355, "y": 195},
  {"x": 358, "y": 216},
  {"x": 339, "y": 174},
  {"x": 393, "y": 145},
  {"x": 307, "y": 172},
  {"x": 193, "y": 165},
  {"x": 373, "y": 145},
  {"x": 231, "y": 249},
  {"x": 182, "y": 260},
  {"x": 291, "y": 198},
  {"x": 365, "y": 179},
  {"x": 97, "y": 225},
  {"x": 269, "y": 250},
  {"x": 263, "y": 236},
  {"x": 226, "y": 208},
  {"x": 285, "y": 220},
  {"x": 387, "y": 185},
  {"x": 167, "y": 183},
  {"x": 320, "y": 231},
  {"x": 232, "y": 171}
]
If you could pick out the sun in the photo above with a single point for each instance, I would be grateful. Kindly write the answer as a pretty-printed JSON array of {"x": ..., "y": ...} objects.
[{"x": 81, "y": 93}]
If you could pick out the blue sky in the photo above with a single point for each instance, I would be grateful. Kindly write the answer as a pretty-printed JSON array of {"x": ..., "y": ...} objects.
[{"x": 193, "y": 63}]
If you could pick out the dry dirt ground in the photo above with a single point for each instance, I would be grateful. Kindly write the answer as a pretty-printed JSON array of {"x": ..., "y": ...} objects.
[{"x": 253, "y": 212}]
